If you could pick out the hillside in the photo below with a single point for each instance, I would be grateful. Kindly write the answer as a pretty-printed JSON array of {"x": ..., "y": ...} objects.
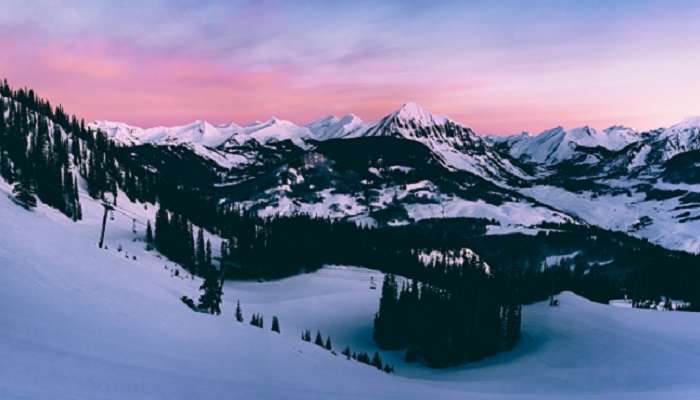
[{"x": 91, "y": 323}]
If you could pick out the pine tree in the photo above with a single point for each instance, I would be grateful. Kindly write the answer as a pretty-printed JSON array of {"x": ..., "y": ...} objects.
[
  {"x": 306, "y": 336},
  {"x": 149, "y": 233},
  {"x": 163, "y": 231},
  {"x": 385, "y": 322},
  {"x": 275, "y": 324},
  {"x": 210, "y": 300},
  {"x": 346, "y": 352},
  {"x": 363, "y": 358},
  {"x": 377, "y": 360},
  {"x": 239, "y": 313},
  {"x": 319, "y": 339},
  {"x": 77, "y": 208},
  {"x": 207, "y": 255},
  {"x": 24, "y": 193},
  {"x": 328, "y": 344},
  {"x": 200, "y": 257},
  {"x": 224, "y": 252}
]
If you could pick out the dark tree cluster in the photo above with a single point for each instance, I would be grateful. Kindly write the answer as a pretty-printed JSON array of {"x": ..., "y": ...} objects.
[
  {"x": 465, "y": 321},
  {"x": 43, "y": 150},
  {"x": 279, "y": 246},
  {"x": 174, "y": 238},
  {"x": 257, "y": 320},
  {"x": 35, "y": 154}
]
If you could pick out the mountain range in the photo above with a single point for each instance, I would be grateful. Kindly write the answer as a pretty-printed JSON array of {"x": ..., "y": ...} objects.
[{"x": 413, "y": 165}]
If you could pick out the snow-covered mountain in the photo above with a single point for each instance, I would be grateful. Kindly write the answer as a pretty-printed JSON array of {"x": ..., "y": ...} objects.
[
  {"x": 333, "y": 127},
  {"x": 557, "y": 145},
  {"x": 205, "y": 134},
  {"x": 679, "y": 138},
  {"x": 198, "y": 132},
  {"x": 450, "y": 171},
  {"x": 459, "y": 147}
]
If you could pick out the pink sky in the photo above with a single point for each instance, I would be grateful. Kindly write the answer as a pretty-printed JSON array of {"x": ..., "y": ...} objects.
[{"x": 494, "y": 82}]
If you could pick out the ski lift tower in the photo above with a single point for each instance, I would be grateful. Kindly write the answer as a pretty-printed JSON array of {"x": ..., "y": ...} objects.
[{"x": 108, "y": 207}]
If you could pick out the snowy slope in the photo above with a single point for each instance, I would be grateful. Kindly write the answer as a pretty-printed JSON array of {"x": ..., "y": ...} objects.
[
  {"x": 670, "y": 222},
  {"x": 681, "y": 137},
  {"x": 556, "y": 145},
  {"x": 79, "y": 322},
  {"x": 580, "y": 350},
  {"x": 333, "y": 127}
]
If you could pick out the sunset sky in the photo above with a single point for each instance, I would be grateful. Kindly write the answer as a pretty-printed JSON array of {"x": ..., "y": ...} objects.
[{"x": 498, "y": 67}]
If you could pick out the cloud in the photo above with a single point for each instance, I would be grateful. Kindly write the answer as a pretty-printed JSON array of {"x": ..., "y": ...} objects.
[{"x": 499, "y": 67}]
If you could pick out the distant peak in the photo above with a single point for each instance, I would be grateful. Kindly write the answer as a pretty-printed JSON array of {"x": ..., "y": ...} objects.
[
  {"x": 414, "y": 112},
  {"x": 412, "y": 107},
  {"x": 688, "y": 123},
  {"x": 551, "y": 131},
  {"x": 347, "y": 118}
]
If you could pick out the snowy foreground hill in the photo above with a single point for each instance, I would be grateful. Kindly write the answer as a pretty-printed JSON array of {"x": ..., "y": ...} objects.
[{"x": 79, "y": 322}]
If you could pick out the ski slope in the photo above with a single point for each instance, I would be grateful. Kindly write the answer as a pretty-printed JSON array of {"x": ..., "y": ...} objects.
[{"x": 78, "y": 322}]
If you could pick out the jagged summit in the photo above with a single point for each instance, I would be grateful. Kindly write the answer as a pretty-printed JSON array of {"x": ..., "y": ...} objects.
[
  {"x": 332, "y": 127},
  {"x": 688, "y": 123},
  {"x": 196, "y": 133},
  {"x": 558, "y": 144},
  {"x": 414, "y": 112}
]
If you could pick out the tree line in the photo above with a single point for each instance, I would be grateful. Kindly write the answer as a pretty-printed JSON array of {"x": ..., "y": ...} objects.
[{"x": 466, "y": 321}]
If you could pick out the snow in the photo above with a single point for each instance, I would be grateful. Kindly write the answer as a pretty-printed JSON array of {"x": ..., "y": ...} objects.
[
  {"x": 79, "y": 322},
  {"x": 621, "y": 303},
  {"x": 330, "y": 204},
  {"x": 688, "y": 123},
  {"x": 663, "y": 185},
  {"x": 556, "y": 145},
  {"x": 580, "y": 349},
  {"x": 640, "y": 158},
  {"x": 198, "y": 132},
  {"x": 204, "y": 134},
  {"x": 617, "y": 137},
  {"x": 679, "y": 138},
  {"x": 621, "y": 213},
  {"x": 557, "y": 260},
  {"x": 507, "y": 214},
  {"x": 333, "y": 127},
  {"x": 413, "y": 112},
  {"x": 450, "y": 257},
  {"x": 275, "y": 130}
]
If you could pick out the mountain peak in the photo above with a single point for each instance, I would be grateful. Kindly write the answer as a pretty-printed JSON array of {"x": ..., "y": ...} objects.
[
  {"x": 332, "y": 127},
  {"x": 413, "y": 112},
  {"x": 688, "y": 123}
]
